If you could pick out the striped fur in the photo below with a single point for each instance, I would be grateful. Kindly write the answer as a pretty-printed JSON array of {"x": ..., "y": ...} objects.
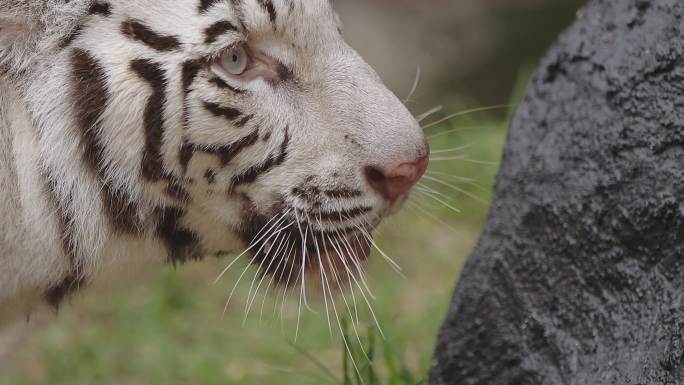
[{"x": 119, "y": 139}]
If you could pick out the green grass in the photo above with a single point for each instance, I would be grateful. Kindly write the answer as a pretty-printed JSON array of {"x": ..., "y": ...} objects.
[{"x": 167, "y": 327}]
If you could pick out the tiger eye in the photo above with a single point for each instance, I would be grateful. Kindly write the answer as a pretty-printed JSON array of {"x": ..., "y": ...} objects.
[{"x": 235, "y": 61}]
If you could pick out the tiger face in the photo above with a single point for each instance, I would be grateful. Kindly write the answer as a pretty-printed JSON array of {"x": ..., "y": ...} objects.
[{"x": 208, "y": 126}]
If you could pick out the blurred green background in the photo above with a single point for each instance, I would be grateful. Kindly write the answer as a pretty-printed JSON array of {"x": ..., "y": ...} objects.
[{"x": 168, "y": 327}]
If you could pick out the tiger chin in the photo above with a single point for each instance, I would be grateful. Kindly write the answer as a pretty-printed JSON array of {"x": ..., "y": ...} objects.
[{"x": 171, "y": 130}]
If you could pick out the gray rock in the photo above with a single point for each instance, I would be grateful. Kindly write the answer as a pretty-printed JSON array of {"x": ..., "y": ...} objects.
[{"x": 578, "y": 277}]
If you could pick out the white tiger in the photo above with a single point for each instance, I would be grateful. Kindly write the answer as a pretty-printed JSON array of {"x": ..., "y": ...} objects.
[{"x": 169, "y": 130}]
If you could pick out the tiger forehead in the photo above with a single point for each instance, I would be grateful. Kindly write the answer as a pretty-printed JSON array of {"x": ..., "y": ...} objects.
[
  {"x": 310, "y": 25},
  {"x": 295, "y": 20}
]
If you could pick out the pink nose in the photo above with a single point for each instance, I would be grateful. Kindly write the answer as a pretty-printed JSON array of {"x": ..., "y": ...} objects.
[{"x": 395, "y": 182}]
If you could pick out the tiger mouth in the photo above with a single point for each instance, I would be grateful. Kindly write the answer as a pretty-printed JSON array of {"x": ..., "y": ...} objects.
[{"x": 294, "y": 248}]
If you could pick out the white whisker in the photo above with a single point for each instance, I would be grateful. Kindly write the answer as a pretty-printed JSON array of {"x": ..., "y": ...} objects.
[
  {"x": 263, "y": 273},
  {"x": 346, "y": 304},
  {"x": 302, "y": 289},
  {"x": 433, "y": 195},
  {"x": 464, "y": 159},
  {"x": 466, "y": 112},
  {"x": 267, "y": 252},
  {"x": 280, "y": 281},
  {"x": 428, "y": 113},
  {"x": 422, "y": 187},
  {"x": 344, "y": 298},
  {"x": 343, "y": 258},
  {"x": 455, "y": 188},
  {"x": 414, "y": 87},
  {"x": 344, "y": 339},
  {"x": 432, "y": 216},
  {"x": 306, "y": 258},
  {"x": 457, "y": 178},
  {"x": 370, "y": 307},
  {"x": 389, "y": 260},
  {"x": 230, "y": 265},
  {"x": 458, "y": 129},
  {"x": 302, "y": 293},
  {"x": 273, "y": 278},
  {"x": 349, "y": 275},
  {"x": 287, "y": 283},
  {"x": 323, "y": 283},
  {"x": 457, "y": 149},
  {"x": 357, "y": 264},
  {"x": 232, "y": 292}
]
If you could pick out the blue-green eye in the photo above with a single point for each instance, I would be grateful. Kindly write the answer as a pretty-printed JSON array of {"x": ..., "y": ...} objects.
[{"x": 235, "y": 61}]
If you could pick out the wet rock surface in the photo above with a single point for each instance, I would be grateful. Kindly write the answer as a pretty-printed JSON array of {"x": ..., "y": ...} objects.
[{"x": 579, "y": 275}]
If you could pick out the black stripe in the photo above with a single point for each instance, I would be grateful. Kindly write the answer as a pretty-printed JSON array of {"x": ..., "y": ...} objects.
[
  {"x": 220, "y": 111},
  {"x": 90, "y": 98},
  {"x": 177, "y": 192},
  {"x": 343, "y": 193},
  {"x": 56, "y": 294},
  {"x": 237, "y": 7},
  {"x": 284, "y": 73},
  {"x": 187, "y": 151},
  {"x": 65, "y": 222},
  {"x": 135, "y": 30},
  {"x": 220, "y": 83},
  {"x": 182, "y": 244},
  {"x": 217, "y": 29},
  {"x": 71, "y": 37},
  {"x": 308, "y": 193},
  {"x": 321, "y": 234},
  {"x": 225, "y": 153},
  {"x": 189, "y": 73},
  {"x": 268, "y": 6},
  {"x": 242, "y": 122},
  {"x": 204, "y": 5},
  {"x": 152, "y": 164},
  {"x": 74, "y": 278},
  {"x": 273, "y": 161},
  {"x": 342, "y": 215},
  {"x": 100, "y": 8},
  {"x": 210, "y": 176}
]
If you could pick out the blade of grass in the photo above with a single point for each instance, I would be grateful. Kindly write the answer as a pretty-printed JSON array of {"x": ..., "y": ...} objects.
[
  {"x": 345, "y": 368},
  {"x": 372, "y": 376},
  {"x": 397, "y": 367},
  {"x": 320, "y": 365},
  {"x": 352, "y": 352}
]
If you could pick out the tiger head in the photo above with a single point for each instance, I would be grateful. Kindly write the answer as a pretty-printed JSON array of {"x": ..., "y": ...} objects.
[{"x": 210, "y": 126}]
